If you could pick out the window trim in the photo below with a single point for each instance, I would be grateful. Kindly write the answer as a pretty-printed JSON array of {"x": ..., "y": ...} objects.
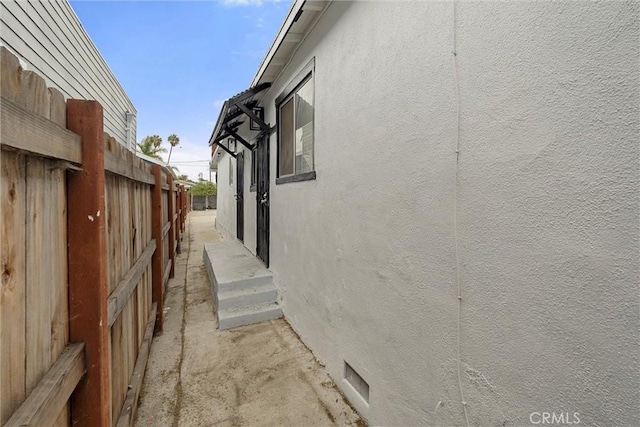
[
  {"x": 253, "y": 178},
  {"x": 302, "y": 77},
  {"x": 305, "y": 176}
]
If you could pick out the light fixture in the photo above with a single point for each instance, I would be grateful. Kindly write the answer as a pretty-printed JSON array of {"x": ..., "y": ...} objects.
[{"x": 231, "y": 144}]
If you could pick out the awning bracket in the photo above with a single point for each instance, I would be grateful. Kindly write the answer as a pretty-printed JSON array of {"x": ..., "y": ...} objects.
[
  {"x": 238, "y": 137},
  {"x": 265, "y": 127}
]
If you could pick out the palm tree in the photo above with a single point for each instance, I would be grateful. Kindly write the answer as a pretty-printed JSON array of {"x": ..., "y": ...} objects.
[
  {"x": 152, "y": 146},
  {"x": 173, "y": 141}
]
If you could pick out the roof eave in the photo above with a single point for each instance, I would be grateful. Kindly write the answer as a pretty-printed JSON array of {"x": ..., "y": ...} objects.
[
  {"x": 221, "y": 116},
  {"x": 284, "y": 29}
]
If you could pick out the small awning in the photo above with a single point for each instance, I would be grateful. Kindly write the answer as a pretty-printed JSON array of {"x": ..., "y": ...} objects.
[{"x": 229, "y": 120}]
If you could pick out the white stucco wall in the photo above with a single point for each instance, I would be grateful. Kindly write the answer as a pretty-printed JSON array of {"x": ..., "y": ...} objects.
[
  {"x": 547, "y": 197},
  {"x": 250, "y": 208},
  {"x": 226, "y": 209},
  {"x": 226, "y": 220}
]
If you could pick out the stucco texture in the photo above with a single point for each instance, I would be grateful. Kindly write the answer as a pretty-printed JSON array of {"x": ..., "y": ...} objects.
[{"x": 547, "y": 210}]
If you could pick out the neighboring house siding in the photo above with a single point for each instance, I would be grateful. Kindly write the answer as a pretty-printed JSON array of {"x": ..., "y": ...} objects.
[
  {"x": 49, "y": 39},
  {"x": 547, "y": 210}
]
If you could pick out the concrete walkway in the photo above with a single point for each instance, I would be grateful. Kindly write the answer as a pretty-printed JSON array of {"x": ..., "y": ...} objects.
[{"x": 257, "y": 375}]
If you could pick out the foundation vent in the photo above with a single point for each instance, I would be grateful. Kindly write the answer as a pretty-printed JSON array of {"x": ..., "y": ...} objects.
[{"x": 356, "y": 381}]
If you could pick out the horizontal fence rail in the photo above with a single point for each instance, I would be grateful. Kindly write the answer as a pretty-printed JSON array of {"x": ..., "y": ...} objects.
[
  {"x": 27, "y": 131},
  {"x": 120, "y": 296},
  {"x": 50, "y": 396}
]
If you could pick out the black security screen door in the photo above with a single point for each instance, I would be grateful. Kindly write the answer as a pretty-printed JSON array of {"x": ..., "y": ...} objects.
[
  {"x": 240, "y": 196},
  {"x": 262, "y": 197}
]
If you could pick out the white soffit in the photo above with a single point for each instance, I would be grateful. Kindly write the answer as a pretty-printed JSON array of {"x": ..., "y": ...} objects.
[{"x": 299, "y": 21}]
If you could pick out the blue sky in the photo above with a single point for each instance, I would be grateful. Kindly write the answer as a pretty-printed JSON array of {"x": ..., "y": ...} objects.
[{"x": 179, "y": 60}]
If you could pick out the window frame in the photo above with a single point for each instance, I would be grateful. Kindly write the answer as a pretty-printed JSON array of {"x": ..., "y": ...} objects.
[
  {"x": 253, "y": 180},
  {"x": 304, "y": 75}
]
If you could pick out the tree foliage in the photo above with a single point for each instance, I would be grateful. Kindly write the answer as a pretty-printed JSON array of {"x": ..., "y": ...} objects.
[
  {"x": 204, "y": 188},
  {"x": 152, "y": 146},
  {"x": 173, "y": 141}
]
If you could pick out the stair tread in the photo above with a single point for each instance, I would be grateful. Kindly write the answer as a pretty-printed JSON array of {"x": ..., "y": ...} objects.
[
  {"x": 232, "y": 262},
  {"x": 233, "y": 293},
  {"x": 248, "y": 309}
]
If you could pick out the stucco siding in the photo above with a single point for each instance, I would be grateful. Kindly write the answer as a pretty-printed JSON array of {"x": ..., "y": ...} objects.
[
  {"x": 226, "y": 220},
  {"x": 250, "y": 207},
  {"x": 547, "y": 210},
  {"x": 226, "y": 210},
  {"x": 365, "y": 254},
  {"x": 49, "y": 39}
]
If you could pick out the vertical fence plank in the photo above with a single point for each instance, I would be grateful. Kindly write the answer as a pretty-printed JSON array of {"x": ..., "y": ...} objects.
[
  {"x": 91, "y": 400},
  {"x": 36, "y": 94},
  {"x": 116, "y": 365},
  {"x": 59, "y": 304},
  {"x": 39, "y": 260},
  {"x": 172, "y": 230},
  {"x": 156, "y": 226},
  {"x": 59, "y": 301},
  {"x": 10, "y": 77},
  {"x": 57, "y": 107},
  {"x": 13, "y": 271}
]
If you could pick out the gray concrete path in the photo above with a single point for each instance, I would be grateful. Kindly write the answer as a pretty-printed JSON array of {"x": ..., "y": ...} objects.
[{"x": 256, "y": 375}]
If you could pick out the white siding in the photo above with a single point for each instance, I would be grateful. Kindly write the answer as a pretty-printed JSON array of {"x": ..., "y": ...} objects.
[{"x": 50, "y": 40}]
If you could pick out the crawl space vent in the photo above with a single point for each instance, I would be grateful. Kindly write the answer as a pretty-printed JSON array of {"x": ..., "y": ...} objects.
[{"x": 356, "y": 381}]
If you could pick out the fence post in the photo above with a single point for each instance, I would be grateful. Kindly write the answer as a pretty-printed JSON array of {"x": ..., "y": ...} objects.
[
  {"x": 172, "y": 229},
  {"x": 91, "y": 400},
  {"x": 156, "y": 233},
  {"x": 184, "y": 208},
  {"x": 180, "y": 216}
]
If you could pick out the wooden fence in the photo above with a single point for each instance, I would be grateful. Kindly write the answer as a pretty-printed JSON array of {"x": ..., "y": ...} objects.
[{"x": 88, "y": 244}]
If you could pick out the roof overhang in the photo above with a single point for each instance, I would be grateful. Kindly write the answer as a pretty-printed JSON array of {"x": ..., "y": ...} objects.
[
  {"x": 300, "y": 20},
  {"x": 233, "y": 110}
]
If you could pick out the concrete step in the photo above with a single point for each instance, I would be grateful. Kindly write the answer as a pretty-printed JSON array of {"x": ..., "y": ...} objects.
[
  {"x": 245, "y": 284},
  {"x": 247, "y": 315},
  {"x": 242, "y": 286},
  {"x": 231, "y": 266},
  {"x": 236, "y": 298}
]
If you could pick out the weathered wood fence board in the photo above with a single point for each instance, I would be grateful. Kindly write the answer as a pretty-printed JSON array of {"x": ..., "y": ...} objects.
[
  {"x": 51, "y": 394},
  {"x": 33, "y": 302},
  {"x": 27, "y": 131},
  {"x": 88, "y": 243},
  {"x": 127, "y": 414},
  {"x": 129, "y": 283},
  {"x": 14, "y": 282}
]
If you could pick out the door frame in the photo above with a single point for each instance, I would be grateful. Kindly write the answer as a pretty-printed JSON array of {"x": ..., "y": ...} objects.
[
  {"x": 263, "y": 233},
  {"x": 240, "y": 196}
]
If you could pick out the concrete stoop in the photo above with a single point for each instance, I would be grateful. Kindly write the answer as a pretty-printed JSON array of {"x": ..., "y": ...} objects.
[{"x": 242, "y": 287}]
